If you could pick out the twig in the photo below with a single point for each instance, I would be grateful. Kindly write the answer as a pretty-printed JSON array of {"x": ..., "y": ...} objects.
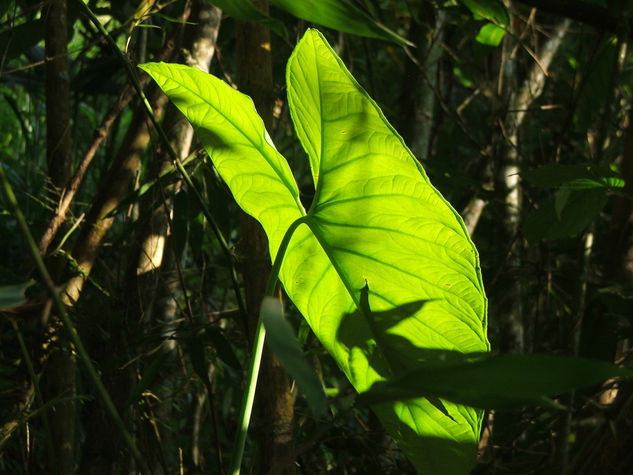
[{"x": 205, "y": 209}]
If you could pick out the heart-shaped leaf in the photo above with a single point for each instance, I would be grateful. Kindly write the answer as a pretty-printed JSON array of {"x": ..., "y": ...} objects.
[{"x": 381, "y": 267}]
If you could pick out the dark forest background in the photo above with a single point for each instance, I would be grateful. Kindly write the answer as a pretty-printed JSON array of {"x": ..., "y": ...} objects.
[{"x": 521, "y": 114}]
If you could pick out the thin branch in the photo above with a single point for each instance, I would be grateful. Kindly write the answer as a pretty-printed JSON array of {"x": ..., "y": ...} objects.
[
  {"x": 599, "y": 17},
  {"x": 61, "y": 309},
  {"x": 205, "y": 209}
]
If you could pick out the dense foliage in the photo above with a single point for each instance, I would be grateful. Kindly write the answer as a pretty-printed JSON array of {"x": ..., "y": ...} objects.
[{"x": 518, "y": 115}]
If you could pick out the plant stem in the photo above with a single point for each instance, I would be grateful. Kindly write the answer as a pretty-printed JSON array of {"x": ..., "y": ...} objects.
[
  {"x": 74, "y": 336},
  {"x": 256, "y": 356}
]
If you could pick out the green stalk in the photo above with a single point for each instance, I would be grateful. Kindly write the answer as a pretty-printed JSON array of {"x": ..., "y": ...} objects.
[
  {"x": 72, "y": 333},
  {"x": 256, "y": 356}
]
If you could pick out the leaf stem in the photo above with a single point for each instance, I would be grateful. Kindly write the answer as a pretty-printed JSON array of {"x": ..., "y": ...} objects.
[{"x": 256, "y": 355}]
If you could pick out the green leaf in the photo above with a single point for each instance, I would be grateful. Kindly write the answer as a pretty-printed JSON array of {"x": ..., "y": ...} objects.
[
  {"x": 495, "y": 381},
  {"x": 381, "y": 267},
  {"x": 490, "y": 34},
  {"x": 198, "y": 358},
  {"x": 223, "y": 348},
  {"x": 340, "y": 15},
  {"x": 149, "y": 375},
  {"x": 560, "y": 201},
  {"x": 282, "y": 341},
  {"x": 13, "y": 295},
  {"x": 565, "y": 215},
  {"x": 336, "y": 14},
  {"x": 246, "y": 10},
  {"x": 492, "y": 10},
  {"x": 376, "y": 221}
]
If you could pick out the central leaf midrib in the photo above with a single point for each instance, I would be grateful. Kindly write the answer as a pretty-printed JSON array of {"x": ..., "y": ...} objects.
[
  {"x": 317, "y": 185},
  {"x": 319, "y": 238},
  {"x": 347, "y": 285}
]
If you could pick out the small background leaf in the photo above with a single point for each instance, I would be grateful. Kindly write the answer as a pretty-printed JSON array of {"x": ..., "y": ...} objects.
[
  {"x": 17, "y": 40},
  {"x": 13, "y": 295},
  {"x": 490, "y": 34},
  {"x": 578, "y": 177},
  {"x": 565, "y": 218}
]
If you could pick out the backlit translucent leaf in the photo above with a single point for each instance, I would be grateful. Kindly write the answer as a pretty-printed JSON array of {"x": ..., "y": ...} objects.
[
  {"x": 381, "y": 267},
  {"x": 376, "y": 221},
  {"x": 234, "y": 137},
  {"x": 490, "y": 34}
]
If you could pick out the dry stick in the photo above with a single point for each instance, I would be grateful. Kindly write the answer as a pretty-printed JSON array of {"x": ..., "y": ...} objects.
[
  {"x": 61, "y": 309},
  {"x": 177, "y": 162},
  {"x": 73, "y": 186},
  {"x": 447, "y": 110},
  {"x": 576, "y": 335},
  {"x": 3, "y": 57},
  {"x": 571, "y": 108}
]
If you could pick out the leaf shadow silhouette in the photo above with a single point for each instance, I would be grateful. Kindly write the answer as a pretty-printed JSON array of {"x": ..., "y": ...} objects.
[{"x": 390, "y": 354}]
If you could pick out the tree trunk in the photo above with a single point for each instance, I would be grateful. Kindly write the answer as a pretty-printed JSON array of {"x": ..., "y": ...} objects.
[
  {"x": 58, "y": 138},
  {"x": 420, "y": 86},
  {"x": 153, "y": 287},
  {"x": 60, "y": 369},
  {"x": 102, "y": 448},
  {"x": 519, "y": 101},
  {"x": 274, "y": 400}
]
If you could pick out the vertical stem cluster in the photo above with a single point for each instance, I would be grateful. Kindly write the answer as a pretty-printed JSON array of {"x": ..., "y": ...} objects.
[
  {"x": 275, "y": 402},
  {"x": 60, "y": 371}
]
